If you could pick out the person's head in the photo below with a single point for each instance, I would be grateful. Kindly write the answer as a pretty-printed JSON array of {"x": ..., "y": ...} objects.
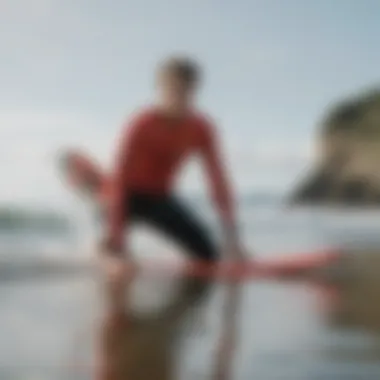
[{"x": 178, "y": 79}]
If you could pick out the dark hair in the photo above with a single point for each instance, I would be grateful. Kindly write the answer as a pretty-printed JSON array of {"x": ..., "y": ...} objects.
[{"x": 183, "y": 68}]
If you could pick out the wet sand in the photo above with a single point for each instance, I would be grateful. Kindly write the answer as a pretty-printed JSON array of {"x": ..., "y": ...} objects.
[
  {"x": 357, "y": 297},
  {"x": 135, "y": 347},
  {"x": 287, "y": 330}
]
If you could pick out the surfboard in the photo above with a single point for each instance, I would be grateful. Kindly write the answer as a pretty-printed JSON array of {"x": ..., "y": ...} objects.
[{"x": 86, "y": 177}]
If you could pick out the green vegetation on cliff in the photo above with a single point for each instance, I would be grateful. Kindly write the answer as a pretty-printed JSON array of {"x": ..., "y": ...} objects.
[{"x": 359, "y": 115}]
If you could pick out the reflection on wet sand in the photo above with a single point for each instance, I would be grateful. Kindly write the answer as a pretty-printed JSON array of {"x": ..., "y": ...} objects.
[
  {"x": 357, "y": 297},
  {"x": 283, "y": 333},
  {"x": 145, "y": 348},
  {"x": 353, "y": 313}
]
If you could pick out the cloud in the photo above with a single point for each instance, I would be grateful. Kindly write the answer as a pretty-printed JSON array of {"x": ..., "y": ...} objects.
[
  {"x": 257, "y": 164},
  {"x": 29, "y": 143},
  {"x": 35, "y": 10},
  {"x": 31, "y": 139},
  {"x": 93, "y": 59}
]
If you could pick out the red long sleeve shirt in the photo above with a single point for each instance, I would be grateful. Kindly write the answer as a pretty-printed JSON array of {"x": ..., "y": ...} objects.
[{"x": 151, "y": 151}]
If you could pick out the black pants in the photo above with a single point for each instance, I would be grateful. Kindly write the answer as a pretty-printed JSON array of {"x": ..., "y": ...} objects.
[{"x": 169, "y": 216}]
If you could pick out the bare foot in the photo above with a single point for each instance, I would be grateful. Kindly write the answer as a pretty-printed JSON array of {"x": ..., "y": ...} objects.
[{"x": 119, "y": 274}]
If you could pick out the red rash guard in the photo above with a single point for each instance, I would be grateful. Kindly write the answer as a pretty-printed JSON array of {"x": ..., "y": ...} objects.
[{"x": 151, "y": 151}]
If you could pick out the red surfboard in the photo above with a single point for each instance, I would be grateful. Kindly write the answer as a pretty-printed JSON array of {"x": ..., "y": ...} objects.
[{"x": 86, "y": 177}]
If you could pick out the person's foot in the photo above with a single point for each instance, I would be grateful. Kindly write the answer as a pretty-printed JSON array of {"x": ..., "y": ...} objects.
[
  {"x": 116, "y": 268},
  {"x": 118, "y": 273}
]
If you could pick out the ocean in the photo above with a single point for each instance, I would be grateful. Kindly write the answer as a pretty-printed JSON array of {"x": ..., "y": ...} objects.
[{"x": 286, "y": 329}]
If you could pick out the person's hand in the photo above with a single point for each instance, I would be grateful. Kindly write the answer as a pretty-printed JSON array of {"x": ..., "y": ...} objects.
[
  {"x": 237, "y": 251},
  {"x": 111, "y": 246},
  {"x": 115, "y": 260},
  {"x": 119, "y": 271},
  {"x": 234, "y": 248}
]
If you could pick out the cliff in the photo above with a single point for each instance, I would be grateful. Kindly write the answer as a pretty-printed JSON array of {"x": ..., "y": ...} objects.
[{"x": 347, "y": 170}]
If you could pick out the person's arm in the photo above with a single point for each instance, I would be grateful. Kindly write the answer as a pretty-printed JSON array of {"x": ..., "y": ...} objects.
[
  {"x": 118, "y": 212},
  {"x": 219, "y": 183}
]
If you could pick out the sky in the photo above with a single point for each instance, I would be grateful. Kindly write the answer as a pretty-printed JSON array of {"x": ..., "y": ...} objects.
[{"x": 71, "y": 71}]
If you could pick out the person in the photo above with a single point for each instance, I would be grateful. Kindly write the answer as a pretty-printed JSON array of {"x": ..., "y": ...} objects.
[
  {"x": 152, "y": 149},
  {"x": 153, "y": 146}
]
